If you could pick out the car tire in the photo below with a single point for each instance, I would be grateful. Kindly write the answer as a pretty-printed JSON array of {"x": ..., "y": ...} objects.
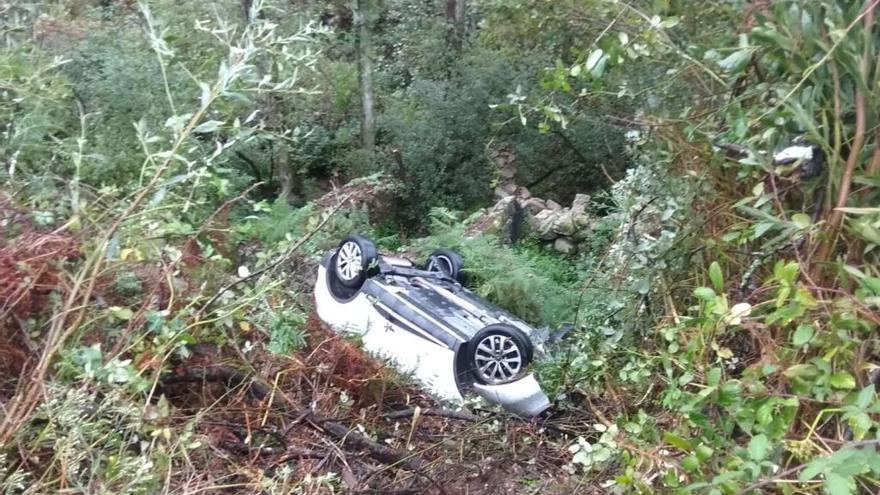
[
  {"x": 447, "y": 262},
  {"x": 498, "y": 354},
  {"x": 354, "y": 261}
]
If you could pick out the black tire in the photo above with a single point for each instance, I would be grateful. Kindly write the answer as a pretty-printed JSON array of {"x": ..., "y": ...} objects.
[
  {"x": 501, "y": 340},
  {"x": 339, "y": 292},
  {"x": 354, "y": 261},
  {"x": 447, "y": 262}
]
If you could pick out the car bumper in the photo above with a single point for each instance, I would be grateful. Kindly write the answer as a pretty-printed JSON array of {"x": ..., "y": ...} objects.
[{"x": 522, "y": 397}]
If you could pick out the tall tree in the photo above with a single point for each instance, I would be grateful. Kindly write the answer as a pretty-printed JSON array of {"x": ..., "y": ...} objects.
[
  {"x": 291, "y": 185},
  {"x": 362, "y": 18}
]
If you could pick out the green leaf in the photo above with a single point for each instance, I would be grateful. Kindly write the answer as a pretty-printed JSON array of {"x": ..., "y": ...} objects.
[
  {"x": 866, "y": 230},
  {"x": 855, "y": 272},
  {"x": 713, "y": 377},
  {"x": 801, "y": 220},
  {"x": 594, "y": 57},
  {"x": 758, "y": 189},
  {"x": 786, "y": 272},
  {"x": 764, "y": 414},
  {"x": 716, "y": 277},
  {"x": 823, "y": 464},
  {"x": 669, "y": 22},
  {"x": 872, "y": 284},
  {"x": 209, "y": 126},
  {"x": 866, "y": 396},
  {"x": 836, "y": 484},
  {"x": 704, "y": 452},
  {"x": 802, "y": 371},
  {"x": 685, "y": 379},
  {"x": 690, "y": 463},
  {"x": 678, "y": 442},
  {"x": 736, "y": 61},
  {"x": 741, "y": 128},
  {"x": 859, "y": 211},
  {"x": 762, "y": 228},
  {"x": 729, "y": 392},
  {"x": 727, "y": 476},
  {"x": 596, "y": 62},
  {"x": 767, "y": 36},
  {"x": 842, "y": 380},
  {"x": 121, "y": 313},
  {"x": 704, "y": 294},
  {"x": 860, "y": 423},
  {"x": 802, "y": 335},
  {"x": 758, "y": 447},
  {"x": 670, "y": 478},
  {"x": 206, "y": 94}
]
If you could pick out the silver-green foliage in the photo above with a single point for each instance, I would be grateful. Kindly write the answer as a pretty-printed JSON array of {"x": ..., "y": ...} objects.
[{"x": 100, "y": 439}]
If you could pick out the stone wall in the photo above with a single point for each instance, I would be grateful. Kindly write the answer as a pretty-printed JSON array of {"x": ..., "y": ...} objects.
[{"x": 517, "y": 214}]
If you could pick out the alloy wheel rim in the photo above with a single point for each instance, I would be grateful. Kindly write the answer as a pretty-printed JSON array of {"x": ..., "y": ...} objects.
[
  {"x": 497, "y": 358},
  {"x": 440, "y": 263},
  {"x": 349, "y": 261}
]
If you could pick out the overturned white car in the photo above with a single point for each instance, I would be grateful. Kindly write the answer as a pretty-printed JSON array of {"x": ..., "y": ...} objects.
[{"x": 428, "y": 325}]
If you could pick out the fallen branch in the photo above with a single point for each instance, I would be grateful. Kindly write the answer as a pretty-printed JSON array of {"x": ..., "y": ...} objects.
[
  {"x": 230, "y": 377},
  {"x": 443, "y": 413},
  {"x": 286, "y": 453},
  {"x": 260, "y": 390},
  {"x": 353, "y": 440}
]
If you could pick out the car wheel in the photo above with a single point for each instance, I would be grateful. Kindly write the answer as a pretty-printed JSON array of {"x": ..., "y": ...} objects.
[
  {"x": 446, "y": 262},
  {"x": 498, "y": 354},
  {"x": 354, "y": 261}
]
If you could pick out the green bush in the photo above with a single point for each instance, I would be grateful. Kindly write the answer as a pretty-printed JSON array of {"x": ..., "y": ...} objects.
[
  {"x": 37, "y": 116},
  {"x": 445, "y": 128},
  {"x": 286, "y": 332},
  {"x": 530, "y": 283}
]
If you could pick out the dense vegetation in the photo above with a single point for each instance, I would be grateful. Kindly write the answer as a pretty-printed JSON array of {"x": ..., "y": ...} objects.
[{"x": 172, "y": 171}]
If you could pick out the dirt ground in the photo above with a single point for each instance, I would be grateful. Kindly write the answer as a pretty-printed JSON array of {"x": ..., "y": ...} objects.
[{"x": 332, "y": 409}]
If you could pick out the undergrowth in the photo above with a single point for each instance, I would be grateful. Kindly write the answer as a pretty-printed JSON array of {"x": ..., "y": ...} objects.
[{"x": 154, "y": 306}]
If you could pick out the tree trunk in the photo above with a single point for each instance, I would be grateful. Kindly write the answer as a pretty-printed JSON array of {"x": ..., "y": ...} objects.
[
  {"x": 246, "y": 6},
  {"x": 455, "y": 12},
  {"x": 460, "y": 6},
  {"x": 365, "y": 68},
  {"x": 291, "y": 186},
  {"x": 286, "y": 177}
]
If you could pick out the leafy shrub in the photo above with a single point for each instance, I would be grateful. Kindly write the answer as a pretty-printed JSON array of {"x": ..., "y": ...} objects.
[
  {"x": 99, "y": 440},
  {"x": 116, "y": 76},
  {"x": 532, "y": 285},
  {"x": 127, "y": 284},
  {"x": 286, "y": 333},
  {"x": 36, "y": 121},
  {"x": 81, "y": 409},
  {"x": 444, "y": 127},
  {"x": 284, "y": 224}
]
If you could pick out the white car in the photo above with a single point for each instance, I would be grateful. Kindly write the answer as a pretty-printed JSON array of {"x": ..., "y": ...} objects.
[{"x": 428, "y": 325}]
